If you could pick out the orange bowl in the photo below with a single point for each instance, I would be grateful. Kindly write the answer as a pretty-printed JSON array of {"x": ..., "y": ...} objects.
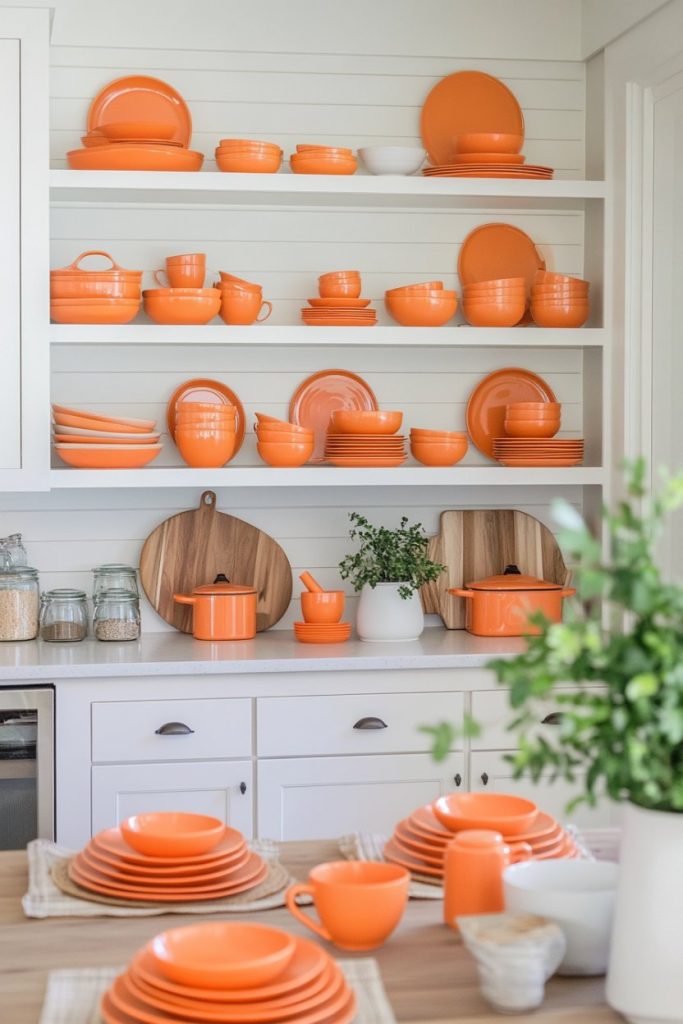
[
  {"x": 504, "y": 313},
  {"x": 285, "y": 454},
  {"x": 223, "y": 954},
  {"x": 181, "y": 308},
  {"x": 409, "y": 289},
  {"x": 324, "y": 607},
  {"x": 248, "y": 144},
  {"x": 537, "y": 408},
  {"x": 419, "y": 434},
  {"x": 94, "y": 310},
  {"x": 437, "y": 452},
  {"x": 551, "y": 277},
  {"x": 559, "y": 316},
  {"x": 501, "y": 283},
  {"x": 376, "y": 421},
  {"x": 238, "y": 282},
  {"x": 244, "y": 162},
  {"x": 207, "y": 449},
  {"x": 320, "y": 164},
  {"x": 511, "y": 815},
  {"x": 488, "y": 142},
  {"x": 274, "y": 424},
  {"x": 283, "y": 436},
  {"x": 531, "y": 428},
  {"x": 107, "y": 456},
  {"x": 172, "y": 833},
  {"x": 493, "y": 292},
  {"x": 421, "y": 310},
  {"x": 560, "y": 290},
  {"x": 334, "y": 150},
  {"x": 340, "y": 288},
  {"x": 138, "y": 130}
]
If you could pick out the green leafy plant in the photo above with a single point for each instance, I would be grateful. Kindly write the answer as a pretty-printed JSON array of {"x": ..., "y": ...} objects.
[
  {"x": 622, "y": 727},
  {"x": 389, "y": 556}
]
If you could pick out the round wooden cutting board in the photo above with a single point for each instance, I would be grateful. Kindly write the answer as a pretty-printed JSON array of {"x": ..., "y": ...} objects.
[{"x": 192, "y": 548}]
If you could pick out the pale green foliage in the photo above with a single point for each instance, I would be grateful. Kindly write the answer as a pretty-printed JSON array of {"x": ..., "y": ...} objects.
[{"x": 389, "y": 556}]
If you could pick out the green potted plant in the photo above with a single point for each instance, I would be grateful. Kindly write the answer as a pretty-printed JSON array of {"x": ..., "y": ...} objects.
[
  {"x": 388, "y": 569},
  {"x": 624, "y": 739}
]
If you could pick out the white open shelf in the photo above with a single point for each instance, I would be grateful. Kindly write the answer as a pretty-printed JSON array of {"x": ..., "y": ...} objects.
[
  {"x": 307, "y": 189},
  {"x": 393, "y": 337},
  {"x": 328, "y": 476}
]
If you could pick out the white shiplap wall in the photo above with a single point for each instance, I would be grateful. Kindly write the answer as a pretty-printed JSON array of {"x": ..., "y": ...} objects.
[{"x": 348, "y": 97}]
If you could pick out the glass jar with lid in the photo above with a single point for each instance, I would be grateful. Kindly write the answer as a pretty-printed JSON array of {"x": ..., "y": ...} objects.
[
  {"x": 114, "y": 577},
  {"x": 15, "y": 546},
  {"x": 63, "y": 615},
  {"x": 19, "y": 603},
  {"x": 117, "y": 615}
]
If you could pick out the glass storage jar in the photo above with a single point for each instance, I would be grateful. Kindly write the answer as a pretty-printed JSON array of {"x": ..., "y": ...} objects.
[
  {"x": 114, "y": 577},
  {"x": 117, "y": 615},
  {"x": 19, "y": 603},
  {"x": 63, "y": 615},
  {"x": 16, "y": 548}
]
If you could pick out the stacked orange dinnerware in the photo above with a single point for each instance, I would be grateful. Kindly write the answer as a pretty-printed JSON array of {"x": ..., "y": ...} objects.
[
  {"x": 186, "y": 301},
  {"x": 246, "y": 156},
  {"x": 322, "y": 611},
  {"x": 499, "y": 303},
  {"x": 206, "y": 420},
  {"x": 339, "y": 304},
  {"x": 365, "y": 438},
  {"x": 323, "y": 160},
  {"x": 242, "y": 301},
  {"x": 99, "y": 296},
  {"x": 419, "y": 841},
  {"x": 530, "y": 429},
  {"x": 437, "y": 447},
  {"x": 421, "y": 305},
  {"x": 283, "y": 444},
  {"x": 229, "y": 972},
  {"x": 558, "y": 300},
  {"x": 168, "y": 857},
  {"x": 89, "y": 440}
]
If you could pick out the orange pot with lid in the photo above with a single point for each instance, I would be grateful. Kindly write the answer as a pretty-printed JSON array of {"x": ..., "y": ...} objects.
[
  {"x": 501, "y": 605},
  {"x": 222, "y": 610}
]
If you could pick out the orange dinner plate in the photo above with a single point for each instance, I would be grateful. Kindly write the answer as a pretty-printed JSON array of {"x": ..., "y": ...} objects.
[
  {"x": 134, "y": 157},
  {"x": 486, "y": 405},
  {"x": 113, "y": 423},
  {"x": 395, "y": 855},
  {"x": 538, "y": 461},
  {"x": 424, "y": 854},
  {"x": 140, "y": 98},
  {"x": 111, "y": 841},
  {"x": 337, "y": 322},
  {"x": 108, "y": 456},
  {"x": 202, "y": 389},
  {"x": 464, "y": 103},
  {"x": 425, "y": 818},
  {"x": 340, "y": 303},
  {"x": 104, "y": 859},
  {"x": 317, "y": 397},
  {"x": 494, "y": 251},
  {"x": 367, "y": 462},
  {"x": 125, "y": 876}
]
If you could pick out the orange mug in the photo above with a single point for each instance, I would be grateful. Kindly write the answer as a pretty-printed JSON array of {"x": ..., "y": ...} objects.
[
  {"x": 240, "y": 307},
  {"x": 358, "y": 902},
  {"x": 237, "y": 282},
  {"x": 473, "y": 872},
  {"x": 186, "y": 271}
]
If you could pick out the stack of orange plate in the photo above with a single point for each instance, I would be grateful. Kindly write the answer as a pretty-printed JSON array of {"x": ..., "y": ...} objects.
[
  {"x": 419, "y": 842},
  {"x": 322, "y": 632},
  {"x": 340, "y": 312},
  {"x": 230, "y": 972},
  {"x": 490, "y": 170},
  {"x": 538, "y": 451},
  {"x": 88, "y": 440},
  {"x": 168, "y": 858},
  {"x": 365, "y": 438}
]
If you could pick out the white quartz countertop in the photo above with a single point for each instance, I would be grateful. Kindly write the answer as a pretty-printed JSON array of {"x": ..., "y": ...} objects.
[{"x": 169, "y": 654}]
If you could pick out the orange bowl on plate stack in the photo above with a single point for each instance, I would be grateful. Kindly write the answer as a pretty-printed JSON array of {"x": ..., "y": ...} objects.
[
  {"x": 248, "y": 156},
  {"x": 438, "y": 447},
  {"x": 205, "y": 433},
  {"x": 365, "y": 438},
  {"x": 281, "y": 444},
  {"x": 337, "y": 284},
  {"x": 498, "y": 303},
  {"x": 87, "y": 440},
  {"x": 421, "y": 305},
  {"x": 532, "y": 419},
  {"x": 558, "y": 300},
  {"x": 323, "y": 160},
  {"x": 182, "y": 305}
]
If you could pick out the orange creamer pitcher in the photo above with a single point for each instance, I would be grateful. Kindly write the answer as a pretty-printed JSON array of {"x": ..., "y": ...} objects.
[{"x": 473, "y": 872}]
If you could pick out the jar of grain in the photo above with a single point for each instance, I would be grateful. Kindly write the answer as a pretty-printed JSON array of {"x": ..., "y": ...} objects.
[
  {"x": 117, "y": 615},
  {"x": 19, "y": 601},
  {"x": 63, "y": 615},
  {"x": 114, "y": 577}
]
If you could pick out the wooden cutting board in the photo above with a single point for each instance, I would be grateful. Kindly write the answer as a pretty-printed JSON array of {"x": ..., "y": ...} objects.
[
  {"x": 476, "y": 543},
  {"x": 192, "y": 548}
]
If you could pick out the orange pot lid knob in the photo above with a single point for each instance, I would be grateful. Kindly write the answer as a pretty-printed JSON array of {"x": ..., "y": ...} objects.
[{"x": 512, "y": 579}]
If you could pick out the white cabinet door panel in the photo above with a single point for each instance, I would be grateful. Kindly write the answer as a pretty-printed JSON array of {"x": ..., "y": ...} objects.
[
  {"x": 209, "y": 787},
  {"x": 326, "y": 797},
  {"x": 10, "y": 254},
  {"x": 491, "y": 709}
]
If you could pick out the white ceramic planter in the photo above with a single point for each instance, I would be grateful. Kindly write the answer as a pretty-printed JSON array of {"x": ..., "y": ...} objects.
[
  {"x": 645, "y": 977},
  {"x": 384, "y": 615}
]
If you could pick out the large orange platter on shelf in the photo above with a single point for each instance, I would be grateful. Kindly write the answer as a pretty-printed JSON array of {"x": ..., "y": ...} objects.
[
  {"x": 318, "y": 396},
  {"x": 496, "y": 251},
  {"x": 140, "y": 98},
  {"x": 203, "y": 389},
  {"x": 486, "y": 405},
  {"x": 463, "y": 103},
  {"x": 125, "y": 157}
]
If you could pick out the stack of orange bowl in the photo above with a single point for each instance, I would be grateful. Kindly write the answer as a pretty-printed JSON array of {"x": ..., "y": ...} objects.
[
  {"x": 230, "y": 972},
  {"x": 339, "y": 304},
  {"x": 241, "y": 301},
  {"x": 323, "y": 160},
  {"x": 89, "y": 440},
  {"x": 168, "y": 857},
  {"x": 437, "y": 447},
  {"x": 419, "y": 841},
  {"x": 80, "y": 296},
  {"x": 246, "y": 156},
  {"x": 205, "y": 433},
  {"x": 532, "y": 419},
  {"x": 283, "y": 444},
  {"x": 365, "y": 438},
  {"x": 421, "y": 305},
  {"x": 500, "y": 303},
  {"x": 558, "y": 300}
]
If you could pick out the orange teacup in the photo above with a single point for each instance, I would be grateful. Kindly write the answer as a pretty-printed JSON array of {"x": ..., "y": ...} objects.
[
  {"x": 186, "y": 271},
  {"x": 242, "y": 307},
  {"x": 358, "y": 902},
  {"x": 327, "y": 606}
]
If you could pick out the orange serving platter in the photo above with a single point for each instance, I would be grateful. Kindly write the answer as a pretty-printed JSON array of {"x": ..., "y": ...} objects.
[
  {"x": 316, "y": 398},
  {"x": 202, "y": 389},
  {"x": 486, "y": 404},
  {"x": 136, "y": 157},
  {"x": 108, "y": 457},
  {"x": 464, "y": 103},
  {"x": 495, "y": 251},
  {"x": 111, "y": 841},
  {"x": 136, "y": 98},
  {"x": 113, "y": 423}
]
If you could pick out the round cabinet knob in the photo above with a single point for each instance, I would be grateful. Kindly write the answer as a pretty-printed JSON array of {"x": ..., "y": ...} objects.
[
  {"x": 174, "y": 729},
  {"x": 370, "y": 723},
  {"x": 457, "y": 779}
]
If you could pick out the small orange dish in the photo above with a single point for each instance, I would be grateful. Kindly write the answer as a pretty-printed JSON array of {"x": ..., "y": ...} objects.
[
  {"x": 172, "y": 833},
  {"x": 285, "y": 454},
  {"x": 409, "y": 289},
  {"x": 421, "y": 310},
  {"x": 93, "y": 456},
  {"x": 325, "y": 607},
  {"x": 510, "y": 815},
  {"x": 492, "y": 313},
  {"x": 364, "y": 421},
  {"x": 182, "y": 305},
  {"x": 439, "y": 452},
  {"x": 488, "y": 142},
  {"x": 223, "y": 954},
  {"x": 320, "y": 163},
  {"x": 238, "y": 161},
  {"x": 94, "y": 310},
  {"x": 532, "y": 428},
  {"x": 205, "y": 447}
]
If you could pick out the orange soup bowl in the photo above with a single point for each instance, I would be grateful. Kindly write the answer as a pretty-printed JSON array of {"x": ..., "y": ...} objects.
[
  {"x": 283, "y": 437},
  {"x": 494, "y": 293},
  {"x": 223, "y": 954},
  {"x": 238, "y": 282},
  {"x": 559, "y": 291},
  {"x": 334, "y": 150},
  {"x": 488, "y": 142},
  {"x": 421, "y": 310},
  {"x": 164, "y": 307},
  {"x": 510, "y": 815},
  {"x": 240, "y": 308},
  {"x": 533, "y": 408},
  {"x": 94, "y": 310},
  {"x": 326, "y": 606},
  {"x": 438, "y": 453},
  {"x": 245, "y": 162},
  {"x": 359, "y": 903},
  {"x": 501, "y": 283},
  {"x": 409, "y": 289},
  {"x": 494, "y": 314},
  {"x": 551, "y": 277},
  {"x": 365, "y": 421},
  {"x": 559, "y": 316},
  {"x": 285, "y": 454},
  {"x": 531, "y": 428},
  {"x": 321, "y": 163},
  {"x": 271, "y": 423},
  {"x": 206, "y": 449},
  {"x": 419, "y": 434},
  {"x": 172, "y": 833}
]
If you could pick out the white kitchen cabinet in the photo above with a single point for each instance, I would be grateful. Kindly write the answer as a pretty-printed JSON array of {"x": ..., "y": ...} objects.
[
  {"x": 220, "y": 788},
  {"x": 326, "y": 797}
]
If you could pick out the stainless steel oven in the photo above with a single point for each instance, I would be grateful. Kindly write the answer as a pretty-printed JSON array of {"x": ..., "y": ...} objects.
[{"x": 27, "y": 790}]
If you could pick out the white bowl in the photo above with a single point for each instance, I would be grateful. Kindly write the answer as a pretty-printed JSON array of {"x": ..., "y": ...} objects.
[{"x": 392, "y": 159}]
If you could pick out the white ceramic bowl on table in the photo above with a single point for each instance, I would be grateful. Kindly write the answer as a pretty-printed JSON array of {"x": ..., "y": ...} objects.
[{"x": 392, "y": 159}]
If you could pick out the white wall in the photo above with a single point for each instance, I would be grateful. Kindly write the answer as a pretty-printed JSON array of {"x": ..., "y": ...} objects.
[{"x": 603, "y": 21}]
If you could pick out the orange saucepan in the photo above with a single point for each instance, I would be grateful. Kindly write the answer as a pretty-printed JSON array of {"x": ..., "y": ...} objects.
[
  {"x": 502, "y": 605},
  {"x": 222, "y": 611}
]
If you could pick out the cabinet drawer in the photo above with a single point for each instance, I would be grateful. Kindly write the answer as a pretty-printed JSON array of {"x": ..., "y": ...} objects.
[
  {"x": 491, "y": 709},
  {"x": 191, "y": 730},
  {"x": 379, "y": 723}
]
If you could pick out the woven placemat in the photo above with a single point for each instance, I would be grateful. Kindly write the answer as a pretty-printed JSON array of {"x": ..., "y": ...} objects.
[{"x": 275, "y": 881}]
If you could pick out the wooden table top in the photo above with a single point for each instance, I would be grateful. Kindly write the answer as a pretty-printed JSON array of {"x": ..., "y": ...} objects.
[{"x": 428, "y": 975}]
